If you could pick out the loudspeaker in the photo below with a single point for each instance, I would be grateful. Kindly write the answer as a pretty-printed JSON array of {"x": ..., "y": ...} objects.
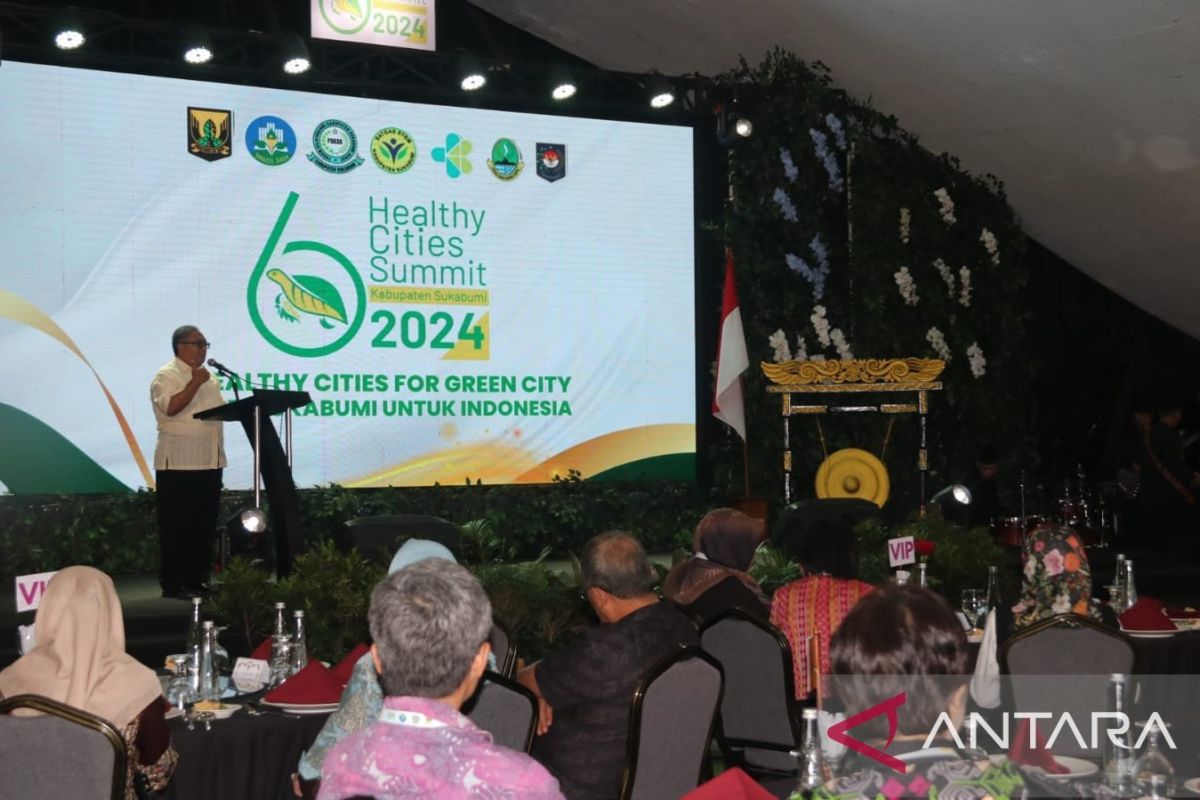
[
  {"x": 387, "y": 533},
  {"x": 797, "y": 518}
]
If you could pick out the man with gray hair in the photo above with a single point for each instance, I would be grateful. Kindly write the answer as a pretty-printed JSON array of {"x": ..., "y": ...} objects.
[
  {"x": 430, "y": 622},
  {"x": 585, "y": 691}
]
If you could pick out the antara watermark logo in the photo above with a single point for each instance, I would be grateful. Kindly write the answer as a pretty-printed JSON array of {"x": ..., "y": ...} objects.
[{"x": 1115, "y": 724}]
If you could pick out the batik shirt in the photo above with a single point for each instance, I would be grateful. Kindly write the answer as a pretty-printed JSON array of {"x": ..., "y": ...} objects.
[{"x": 422, "y": 748}]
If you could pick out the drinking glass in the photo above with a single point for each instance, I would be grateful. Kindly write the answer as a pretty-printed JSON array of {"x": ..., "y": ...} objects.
[
  {"x": 281, "y": 659},
  {"x": 1153, "y": 774},
  {"x": 179, "y": 689},
  {"x": 974, "y": 603}
]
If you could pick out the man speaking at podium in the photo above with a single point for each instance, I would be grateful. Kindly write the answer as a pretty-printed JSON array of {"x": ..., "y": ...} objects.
[{"x": 188, "y": 459}]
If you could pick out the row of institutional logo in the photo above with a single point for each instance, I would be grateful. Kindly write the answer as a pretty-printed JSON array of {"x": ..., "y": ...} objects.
[{"x": 271, "y": 141}]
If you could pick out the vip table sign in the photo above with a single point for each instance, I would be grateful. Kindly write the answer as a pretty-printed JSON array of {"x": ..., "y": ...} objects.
[
  {"x": 30, "y": 589},
  {"x": 901, "y": 551}
]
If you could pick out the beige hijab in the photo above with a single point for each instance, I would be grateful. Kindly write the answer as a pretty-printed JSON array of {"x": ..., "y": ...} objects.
[{"x": 80, "y": 657}]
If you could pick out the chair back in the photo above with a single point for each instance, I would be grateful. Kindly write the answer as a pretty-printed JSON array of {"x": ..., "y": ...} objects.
[
  {"x": 758, "y": 707},
  {"x": 671, "y": 725},
  {"x": 61, "y": 752},
  {"x": 1071, "y": 646},
  {"x": 505, "y": 709},
  {"x": 386, "y": 533},
  {"x": 503, "y": 648}
]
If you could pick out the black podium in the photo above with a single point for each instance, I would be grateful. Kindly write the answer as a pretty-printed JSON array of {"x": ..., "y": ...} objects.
[{"x": 271, "y": 462}]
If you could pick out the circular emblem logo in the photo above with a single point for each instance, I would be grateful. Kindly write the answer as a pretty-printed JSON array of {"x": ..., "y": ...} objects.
[
  {"x": 306, "y": 298},
  {"x": 393, "y": 150},
  {"x": 505, "y": 162},
  {"x": 270, "y": 141},
  {"x": 345, "y": 16},
  {"x": 335, "y": 147}
]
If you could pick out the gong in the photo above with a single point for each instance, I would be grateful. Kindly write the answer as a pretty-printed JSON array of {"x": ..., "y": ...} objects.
[{"x": 853, "y": 473}]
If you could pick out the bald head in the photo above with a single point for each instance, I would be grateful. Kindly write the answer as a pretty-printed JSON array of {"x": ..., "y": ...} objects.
[{"x": 616, "y": 563}]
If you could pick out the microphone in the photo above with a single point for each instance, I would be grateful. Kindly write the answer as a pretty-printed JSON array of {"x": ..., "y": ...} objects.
[{"x": 221, "y": 368}]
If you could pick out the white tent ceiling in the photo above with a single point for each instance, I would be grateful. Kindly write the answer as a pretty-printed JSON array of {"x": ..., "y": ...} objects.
[{"x": 1088, "y": 110}]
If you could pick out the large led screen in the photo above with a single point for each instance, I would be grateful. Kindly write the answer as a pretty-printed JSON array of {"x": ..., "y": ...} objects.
[{"x": 465, "y": 293}]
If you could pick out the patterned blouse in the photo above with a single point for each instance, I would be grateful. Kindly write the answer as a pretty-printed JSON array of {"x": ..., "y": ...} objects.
[
  {"x": 145, "y": 736},
  {"x": 361, "y": 702},
  {"x": 946, "y": 779},
  {"x": 816, "y": 604},
  {"x": 421, "y": 748}
]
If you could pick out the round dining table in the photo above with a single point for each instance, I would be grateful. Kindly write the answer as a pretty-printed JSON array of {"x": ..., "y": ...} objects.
[{"x": 248, "y": 756}]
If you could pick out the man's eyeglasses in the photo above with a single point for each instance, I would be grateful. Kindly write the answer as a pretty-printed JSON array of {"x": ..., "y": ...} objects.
[{"x": 201, "y": 345}]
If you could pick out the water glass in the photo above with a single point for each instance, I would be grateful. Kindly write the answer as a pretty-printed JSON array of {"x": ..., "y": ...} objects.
[
  {"x": 179, "y": 690},
  {"x": 974, "y": 605}
]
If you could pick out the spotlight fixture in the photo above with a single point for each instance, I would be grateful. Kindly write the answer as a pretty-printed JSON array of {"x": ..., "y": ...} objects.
[
  {"x": 244, "y": 534},
  {"x": 294, "y": 55},
  {"x": 955, "y": 491},
  {"x": 473, "y": 81},
  {"x": 253, "y": 520},
  {"x": 743, "y": 127},
  {"x": 197, "y": 55},
  {"x": 69, "y": 39},
  {"x": 563, "y": 91},
  {"x": 661, "y": 99}
]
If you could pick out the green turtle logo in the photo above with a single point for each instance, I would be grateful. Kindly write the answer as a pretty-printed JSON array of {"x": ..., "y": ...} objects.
[
  {"x": 505, "y": 162},
  {"x": 301, "y": 309}
]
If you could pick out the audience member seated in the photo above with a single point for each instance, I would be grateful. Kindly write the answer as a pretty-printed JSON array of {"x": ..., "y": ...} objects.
[
  {"x": 430, "y": 623},
  {"x": 1056, "y": 579},
  {"x": 362, "y": 700},
  {"x": 714, "y": 579},
  {"x": 79, "y": 659},
  {"x": 907, "y": 639},
  {"x": 585, "y": 691},
  {"x": 816, "y": 604}
]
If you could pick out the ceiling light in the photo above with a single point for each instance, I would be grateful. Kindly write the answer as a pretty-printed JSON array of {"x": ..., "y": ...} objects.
[
  {"x": 69, "y": 39},
  {"x": 662, "y": 100},
  {"x": 473, "y": 81},
  {"x": 198, "y": 55},
  {"x": 294, "y": 66},
  {"x": 563, "y": 91}
]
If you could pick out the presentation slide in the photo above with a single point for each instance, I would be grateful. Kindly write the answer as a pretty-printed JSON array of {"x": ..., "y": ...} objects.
[{"x": 465, "y": 293}]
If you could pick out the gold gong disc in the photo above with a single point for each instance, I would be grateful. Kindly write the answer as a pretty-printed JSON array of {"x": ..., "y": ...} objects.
[{"x": 853, "y": 473}]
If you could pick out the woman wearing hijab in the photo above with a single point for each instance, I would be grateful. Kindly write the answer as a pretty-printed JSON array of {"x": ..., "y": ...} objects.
[
  {"x": 815, "y": 605},
  {"x": 1056, "y": 578},
  {"x": 80, "y": 660},
  {"x": 362, "y": 699},
  {"x": 715, "y": 579}
]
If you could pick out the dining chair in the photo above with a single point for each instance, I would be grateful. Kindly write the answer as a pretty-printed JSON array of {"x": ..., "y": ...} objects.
[
  {"x": 505, "y": 709},
  {"x": 503, "y": 648},
  {"x": 1071, "y": 658},
  {"x": 385, "y": 533},
  {"x": 670, "y": 725},
  {"x": 759, "y": 720},
  {"x": 60, "y": 752}
]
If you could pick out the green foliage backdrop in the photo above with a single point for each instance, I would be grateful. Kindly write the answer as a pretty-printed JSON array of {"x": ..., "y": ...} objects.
[{"x": 847, "y": 171}]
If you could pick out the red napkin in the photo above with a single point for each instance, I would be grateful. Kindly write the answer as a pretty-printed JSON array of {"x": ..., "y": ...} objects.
[
  {"x": 1037, "y": 756},
  {"x": 263, "y": 651},
  {"x": 732, "y": 784},
  {"x": 346, "y": 666},
  {"x": 1182, "y": 612},
  {"x": 1146, "y": 615},
  {"x": 312, "y": 685}
]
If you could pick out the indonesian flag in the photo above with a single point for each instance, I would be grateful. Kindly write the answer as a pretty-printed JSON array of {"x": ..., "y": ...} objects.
[{"x": 732, "y": 360}]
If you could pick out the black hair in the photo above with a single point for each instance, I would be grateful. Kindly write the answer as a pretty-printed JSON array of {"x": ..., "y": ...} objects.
[{"x": 828, "y": 545}]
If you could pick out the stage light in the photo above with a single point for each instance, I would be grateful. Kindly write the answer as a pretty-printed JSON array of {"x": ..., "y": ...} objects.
[
  {"x": 294, "y": 55},
  {"x": 197, "y": 55},
  {"x": 563, "y": 91},
  {"x": 473, "y": 81},
  {"x": 662, "y": 99},
  {"x": 253, "y": 520},
  {"x": 743, "y": 127},
  {"x": 69, "y": 39},
  {"x": 955, "y": 491},
  {"x": 245, "y": 535}
]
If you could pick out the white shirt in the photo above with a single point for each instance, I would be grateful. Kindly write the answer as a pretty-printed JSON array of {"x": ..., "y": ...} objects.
[{"x": 185, "y": 443}]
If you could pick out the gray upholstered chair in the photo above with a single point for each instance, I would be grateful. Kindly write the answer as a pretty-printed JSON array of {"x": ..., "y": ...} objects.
[
  {"x": 505, "y": 709},
  {"x": 1071, "y": 658},
  {"x": 383, "y": 534},
  {"x": 61, "y": 752},
  {"x": 759, "y": 723},
  {"x": 671, "y": 725},
  {"x": 503, "y": 648}
]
